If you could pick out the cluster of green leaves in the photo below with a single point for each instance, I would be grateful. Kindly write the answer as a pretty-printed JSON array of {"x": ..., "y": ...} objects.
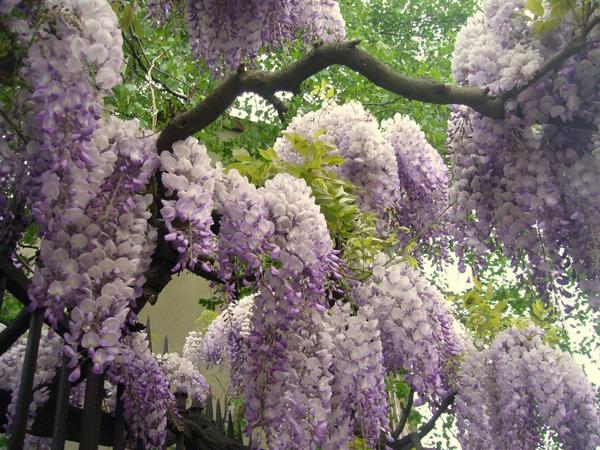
[
  {"x": 353, "y": 230},
  {"x": 485, "y": 312},
  {"x": 549, "y": 14},
  {"x": 398, "y": 392}
]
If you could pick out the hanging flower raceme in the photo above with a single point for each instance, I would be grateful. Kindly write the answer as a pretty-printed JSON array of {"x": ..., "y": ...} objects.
[
  {"x": 189, "y": 177},
  {"x": 93, "y": 257},
  {"x": 245, "y": 230},
  {"x": 224, "y": 33},
  {"x": 527, "y": 185},
  {"x": 286, "y": 398},
  {"x": 416, "y": 327},
  {"x": 519, "y": 387},
  {"x": 423, "y": 177},
  {"x": 358, "y": 389},
  {"x": 74, "y": 60},
  {"x": 226, "y": 340},
  {"x": 287, "y": 383},
  {"x": 369, "y": 163},
  {"x": 146, "y": 392},
  {"x": 183, "y": 377}
]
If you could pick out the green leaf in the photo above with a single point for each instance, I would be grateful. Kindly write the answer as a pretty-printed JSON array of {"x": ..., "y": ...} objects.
[
  {"x": 536, "y": 7},
  {"x": 205, "y": 319},
  {"x": 127, "y": 17},
  {"x": 269, "y": 154},
  {"x": 500, "y": 307},
  {"x": 332, "y": 160},
  {"x": 240, "y": 154}
]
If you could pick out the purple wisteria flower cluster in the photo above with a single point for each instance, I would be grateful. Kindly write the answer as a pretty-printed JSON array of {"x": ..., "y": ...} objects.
[
  {"x": 183, "y": 377},
  {"x": 520, "y": 387},
  {"x": 359, "y": 399},
  {"x": 416, "y": 327},
  {"x": 424, "y": 178},
  {"x": 86, "y": 179},
  {"x": 146, "y": 395},
  {"x": 280, "y": 390},
  {"x": 369, "y": 160},
  {"x": 400, "y": 176},
  {"x": 225, "y": 341},
  {"x": 93, "y": 256},
  {"x": 245, "y": 230},
  {"x": 225, "y": 33},
  {"x": 187, "y": 173},
  {"x": 528, "y": 184}
]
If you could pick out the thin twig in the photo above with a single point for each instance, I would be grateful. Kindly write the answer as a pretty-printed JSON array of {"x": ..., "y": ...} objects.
[{"x": 425, "y": 429}]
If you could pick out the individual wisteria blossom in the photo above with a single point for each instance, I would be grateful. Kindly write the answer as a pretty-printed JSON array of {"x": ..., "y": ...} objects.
[
  {"x": 359, "y": 398},
  {"x": 188, "y": 176},
  {"x": 183, "y": 377},
  {"x": 416, "y": 327},
  {"x": 527, "y": 185},
  {"x": 245, "y": 230},
  {"x": 370, "y": 162},
  {"x": 423, "y": 177},
  {"x": 520, "y": 387},
  {"x": 11, "y": 364},
  {"x": 146, "y": 392},
  {"x": 225, "y": 33}
]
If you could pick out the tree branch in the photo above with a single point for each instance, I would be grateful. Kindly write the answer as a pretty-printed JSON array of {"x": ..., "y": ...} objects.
[
  {"x": 289, "y": 79},
  {"x": 347, "y": 54},
  {"x": 405, "y": 412},
  {"x": 406, "y": 443}
]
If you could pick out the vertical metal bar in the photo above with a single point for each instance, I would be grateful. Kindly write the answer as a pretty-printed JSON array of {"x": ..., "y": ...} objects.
[
  {"x": 181, "y": 401},
  {"x": 240, "y": 435},
  {"x": 209, "y": 406},
  {"x": 92, "y": 410},
  {"x": 25, "y": 393},
  {"x": 166, "y": 345},
  {"x": 62, "y": 407},
  {"x": 149, "y": 334},
  {"x": 119, "y": 423},
  {"x": 219, "y": 416},
  {"x": 230, "y": 426}
]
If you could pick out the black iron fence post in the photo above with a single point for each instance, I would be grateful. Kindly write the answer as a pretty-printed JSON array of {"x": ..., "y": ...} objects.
[
  {"x": 61, "y": 413},
  {"x": 25, "y": 394},
  {"x": 92, "y": 411}
]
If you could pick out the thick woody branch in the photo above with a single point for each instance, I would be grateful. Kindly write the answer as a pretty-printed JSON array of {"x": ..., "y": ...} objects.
[
  {"x": 289, "y": 79},
  {"x": 349, "y": 55}
]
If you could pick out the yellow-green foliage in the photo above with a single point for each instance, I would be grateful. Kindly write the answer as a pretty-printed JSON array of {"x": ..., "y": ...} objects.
[
  {"x": 484, "y": 315},
  {"x": 352, "y": 229}
]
